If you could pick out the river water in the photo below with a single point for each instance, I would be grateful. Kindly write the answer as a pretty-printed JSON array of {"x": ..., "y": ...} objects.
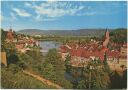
[{"x": 46, "y": 46}]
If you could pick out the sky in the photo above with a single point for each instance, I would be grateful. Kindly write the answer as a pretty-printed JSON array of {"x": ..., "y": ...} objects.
[{"x": 63, "y": 15}]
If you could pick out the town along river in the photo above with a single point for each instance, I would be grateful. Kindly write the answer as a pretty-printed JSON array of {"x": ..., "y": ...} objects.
[{"x": 75, "y": 73}]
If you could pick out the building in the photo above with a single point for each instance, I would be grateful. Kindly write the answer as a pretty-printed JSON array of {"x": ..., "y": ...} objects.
[
  {"x": 83, "y": 53},
  {"x": 10, "y": 35},
  {"x": 3, "y": 58},
  {"x": 123, "y": 51}
]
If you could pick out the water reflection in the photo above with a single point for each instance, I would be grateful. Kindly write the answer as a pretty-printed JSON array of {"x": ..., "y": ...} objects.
[{"x": 47, "y": 45}]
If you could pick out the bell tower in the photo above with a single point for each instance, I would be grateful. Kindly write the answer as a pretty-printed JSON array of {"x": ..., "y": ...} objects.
[
  {"x": 106, "y": 41},
  {"x": 10, "y": 34}
]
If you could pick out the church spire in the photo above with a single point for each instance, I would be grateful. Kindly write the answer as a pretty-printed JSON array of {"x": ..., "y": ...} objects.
[
  {"x": 105, "y": 43},
  {"x": 10, "y": 29}
]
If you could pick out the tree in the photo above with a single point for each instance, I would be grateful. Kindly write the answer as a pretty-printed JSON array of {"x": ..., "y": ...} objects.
[
  {"x": 124, "y": 79},
  {"x": 11, "y": 75},
  {"x": 3, "y": 35},
  {"x": 119, "y": 35},
  {"x": 81, "y": 84},
  {"x": 106, "y": 66},
  {"x": 53, "y": 68},
  {"x": 67, "y": 63},
  {"x": 95, "y": 76},
  {"x": 13, "y": 58},
  {"x": 55, "y": 60},
  {"x": 67, "y": 60}
]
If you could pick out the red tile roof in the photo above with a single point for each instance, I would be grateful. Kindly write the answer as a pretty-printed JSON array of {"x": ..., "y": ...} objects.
[
  {"x": 90, "y": 50},
  {"x": 63, "y": 49}
]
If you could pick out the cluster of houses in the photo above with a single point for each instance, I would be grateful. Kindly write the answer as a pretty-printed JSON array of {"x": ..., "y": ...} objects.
[
  {"x": 22, "y": 43},
  {"x": 81, "y": 54}
]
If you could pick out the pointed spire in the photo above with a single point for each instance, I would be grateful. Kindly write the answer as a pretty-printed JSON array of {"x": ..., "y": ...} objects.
[
  {"x": 106, "y": 29},
  {"x": 10, "y": 29},
  {"x": 105, "y": 43}
]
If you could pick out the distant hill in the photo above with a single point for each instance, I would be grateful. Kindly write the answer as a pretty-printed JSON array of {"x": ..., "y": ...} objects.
[
  {"x": 81, "y": 32},
  {"x": 119, "y": 35}
]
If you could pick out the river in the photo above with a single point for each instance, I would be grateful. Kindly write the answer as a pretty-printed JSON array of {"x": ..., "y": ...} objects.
[
  {"x": 47, "y": 45},
  {"x": 73, "y": 77}
]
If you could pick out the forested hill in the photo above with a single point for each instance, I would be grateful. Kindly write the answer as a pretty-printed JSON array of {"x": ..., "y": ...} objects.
[
  {"x": 81, "y": 32},
  {"x": 119, "y": 35}
]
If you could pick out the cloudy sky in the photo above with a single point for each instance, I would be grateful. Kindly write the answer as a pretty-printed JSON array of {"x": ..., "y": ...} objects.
[{"x": 47, "y": 15}]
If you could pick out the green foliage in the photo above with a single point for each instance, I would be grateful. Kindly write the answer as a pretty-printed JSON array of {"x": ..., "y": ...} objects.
[
  {"x": 65, "y": 39},
  {"x": 53, "y": 69},
  {"x": 24, "y": 60},
  {"x": 9, "y": 48},
  {"x": 17, "y": 80},
  {"x": 119, "y": 36},
  {"x": 67, "y": 63},
  {"x": 11, "y": 52},
  {"x": 3, "y": 35},
  {"x": 67, "y": 60},
  {"x": 124, "y": 79},
  {"x": 118, "y": 81},
  {"x": 95, "y": 76},
  {"x": 11, "y": 76},
  {"x": 36, "y": 55},
  {"x": 13, "y": 58},
  {"x": 81, "y": 84}
]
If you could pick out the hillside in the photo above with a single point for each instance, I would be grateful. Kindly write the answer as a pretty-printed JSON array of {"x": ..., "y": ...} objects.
[
  {"x": 119, "y": 35},
  {"x": 81, "y": 32}
]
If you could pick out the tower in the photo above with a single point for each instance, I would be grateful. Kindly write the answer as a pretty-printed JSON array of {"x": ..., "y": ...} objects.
[
  {"x": 10, "y": 34},
  {"x": 105, "y": 43}
]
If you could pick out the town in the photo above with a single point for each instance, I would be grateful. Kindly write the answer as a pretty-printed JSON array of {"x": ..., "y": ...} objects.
[
  {"x": 64, "y": 44},
  {"x": 81, "y": 54},
  {"x": 20, "y": 42}
]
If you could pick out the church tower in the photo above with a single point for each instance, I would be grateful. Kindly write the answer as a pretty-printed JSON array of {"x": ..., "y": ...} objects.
[
  {"x": 10, "y": 34},
  {"x": 106, "y": 41}
]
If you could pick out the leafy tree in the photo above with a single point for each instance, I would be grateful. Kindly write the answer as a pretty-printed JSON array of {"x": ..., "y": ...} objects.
[
  {"x": 25, "y": 61},
  {"x": 53, "y": 69},
  {"x": 105, "y": 64},
  {"x": 95, "y": 76},
  {"x": 3, "y": 35},
  {"x": 124, "y": 79},
  {"x": 13, "y": 58},
  {"x": 81, "y": 84},
  {"x": 119, "y": 35},
  {"x": 115, "y": 80},
  {"x": 67, "y": 63},
  {"x": 54, "y": 59}
]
